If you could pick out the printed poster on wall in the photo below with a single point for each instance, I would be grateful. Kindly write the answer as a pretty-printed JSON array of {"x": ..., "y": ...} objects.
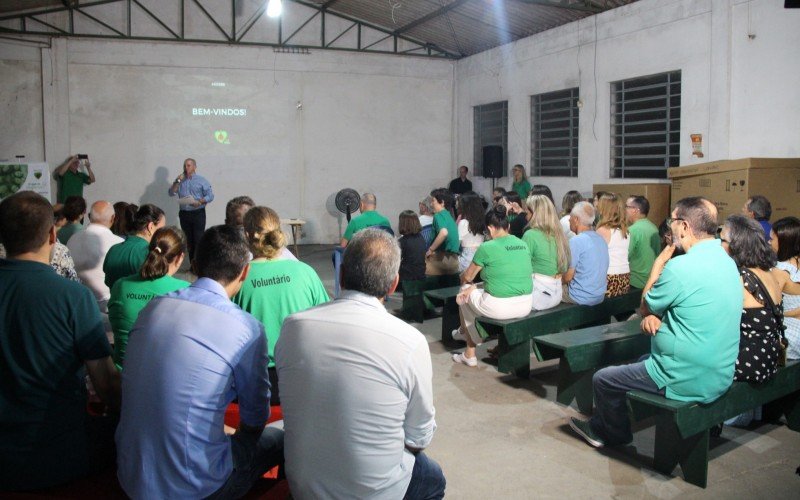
[{"x": 24, "y": 177}]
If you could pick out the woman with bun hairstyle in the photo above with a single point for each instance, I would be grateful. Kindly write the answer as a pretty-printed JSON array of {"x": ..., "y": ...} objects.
[
  {"x": 129, "y": 295},
  {"x": 505, "y": 268},
  {"x": 275, "y": 287},
  {"x": 124, "y": 259}
]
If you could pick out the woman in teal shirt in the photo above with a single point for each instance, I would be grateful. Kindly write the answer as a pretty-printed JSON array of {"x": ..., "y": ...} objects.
[
  {"x": 549, "y": 251},
  {"x": 131, "y": 294},
  {"x": 505, "y": 268},
  {"x": 275, "y": 287},
  {"x": 520, "y": 184}
]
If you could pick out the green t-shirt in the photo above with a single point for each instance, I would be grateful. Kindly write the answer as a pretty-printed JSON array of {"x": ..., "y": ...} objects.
[
  {"x": 506, "y": 267},
  {"x": 522, "y": 189},
  {"x": 66, "y": 232},
  {"x": 124, "y": 259},
  {"x": 275, "y": 289},
  {"x": 644, "y": 247},
  {"x": 367, "y": 219},
  {"x": 129, "y": 295},
  {"x": 543, "y": 252},
  {"x": 443, "y": 220},
  {"x": 71, "y": 184},
  {"x": 699, "y": 296},
  {"x": 49, "y": 327}
]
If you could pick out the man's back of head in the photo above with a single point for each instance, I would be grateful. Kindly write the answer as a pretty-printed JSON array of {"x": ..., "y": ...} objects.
[
  {"x": 371, "y": 263},
  {"x": 699, "y": 214},
  {"x": 584, "y": 213},
  {"x": 221, "y": 255},
  {"x": 236, "y": 208},
  {"x": 369, "y": 201},
  {"x": 26, "y": 219},
  {"x": 102, "y": 212}
]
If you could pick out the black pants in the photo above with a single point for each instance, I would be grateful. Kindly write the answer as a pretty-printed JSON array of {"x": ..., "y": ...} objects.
[{"x": 193, "y": 223}]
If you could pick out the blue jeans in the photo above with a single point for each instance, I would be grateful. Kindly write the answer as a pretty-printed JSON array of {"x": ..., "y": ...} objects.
[
  {"x": 427, "y": 480},
  {"x": 251, "y": 459},
  {"x": 610, "y": 420}
]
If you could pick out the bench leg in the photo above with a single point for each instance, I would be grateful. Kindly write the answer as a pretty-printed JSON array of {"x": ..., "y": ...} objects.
[
  {"x": 575, "y": 385},
  {"x": 671, "y": 449},
  {"x": 450, "y": 321},
  {"x": 792, "y": 411},
  {"x": 514, "y": 359}
]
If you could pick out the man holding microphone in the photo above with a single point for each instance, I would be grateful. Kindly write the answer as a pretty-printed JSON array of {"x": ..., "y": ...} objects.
[{"x": 194, "y": 193}]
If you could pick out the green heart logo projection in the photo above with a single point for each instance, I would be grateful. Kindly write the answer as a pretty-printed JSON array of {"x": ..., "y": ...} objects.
[
  {"x": 11, "y": 178},
  {"x": 221, "y": 136}
]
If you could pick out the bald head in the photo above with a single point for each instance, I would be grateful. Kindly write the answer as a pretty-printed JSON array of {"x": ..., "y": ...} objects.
[
  {"x": 368, "y": 201},
  {"x": 102, "y": 212},
  {"x": 699, "y": 214}
]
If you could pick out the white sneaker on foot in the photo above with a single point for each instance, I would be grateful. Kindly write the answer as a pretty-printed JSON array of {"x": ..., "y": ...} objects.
[{"x": 460, "y": 358}]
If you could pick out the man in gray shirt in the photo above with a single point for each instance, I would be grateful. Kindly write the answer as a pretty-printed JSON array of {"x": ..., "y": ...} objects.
[{"x": 356, "y": 388}]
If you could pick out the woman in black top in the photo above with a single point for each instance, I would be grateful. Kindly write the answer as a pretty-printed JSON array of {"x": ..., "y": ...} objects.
[{"x": 412, "y": 247}]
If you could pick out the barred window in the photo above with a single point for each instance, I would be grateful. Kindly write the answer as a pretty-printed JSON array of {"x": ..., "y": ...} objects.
[
  {"x": 554, "y": 134},
  {"x": 491, "y": 129},
  {"x": 645, "y": 126}
]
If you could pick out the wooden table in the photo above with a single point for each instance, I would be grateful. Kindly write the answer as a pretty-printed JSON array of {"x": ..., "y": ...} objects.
[{"x": 296, "y": 225}]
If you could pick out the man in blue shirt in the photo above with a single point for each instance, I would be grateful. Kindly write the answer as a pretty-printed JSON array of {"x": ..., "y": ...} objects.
[
  {"x": 192, "y": 215},
  {"x": 190, "y": 354},
  {"x": 585, "y": 280}
]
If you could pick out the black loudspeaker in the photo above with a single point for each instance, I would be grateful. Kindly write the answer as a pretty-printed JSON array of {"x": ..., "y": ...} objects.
[
  {"x": 792, "y": 4},
  {"x": 493, "y": 161}
]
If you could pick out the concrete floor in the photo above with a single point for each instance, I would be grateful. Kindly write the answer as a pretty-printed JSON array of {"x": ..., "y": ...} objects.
[{"x": 501, "y": 437}]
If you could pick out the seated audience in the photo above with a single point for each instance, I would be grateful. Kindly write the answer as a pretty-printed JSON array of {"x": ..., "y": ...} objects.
[
  {"x": 58, "y": 216},
  {"x": 520, "y": 184},
  {"x": 442, "y": 256},
  {"x": 470, "y": 227},
  {"x": 425, "y": 212},
  {"x": 234, "y": 217},
  {"x": 125, "y": 259},
  {"x": 52, "y": 336},
  {"x": 190, "y": 354},
  {"x": 123, "y": 212},
  {"x": 692, "y": 305},
  {"x": 89, "y": 248},
  {"x": 412, "y": 247},
  {"x": 549, "y": 252},
  {"x": 785, "y": 241},
  {"x": 543, "y": 190},
  {"x": 275, "y": 287},
  {"x": 614, "y": 230},
  {"x": 62, "y": 263},
  {"x": 74, "y": 210},
  {"x": 517, "y": 215},
  {"x": 369, "y": 218},
  {"x": 567, "y": 202},
  {"x": 497, "y": 195},
  {"x": 585, "y": 280},
  {"x": 505, "y": 268},
  {"x": 357, "y": 392},
  {"x": 645, "y": 243},
  {"x": 132, "y": 293},
  {"x": 759, "y": 208}
]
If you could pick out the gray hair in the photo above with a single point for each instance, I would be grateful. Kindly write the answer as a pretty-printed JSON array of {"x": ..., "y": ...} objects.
[
  {"x": 427, "y": 204},
  {"x": 101, "y": 212},
  {"x": 369, "y": 199},
  {"x": 371, "y": 262},
  {"x": 584, "y": 211},
  {"x": 700, "y": 215},
  {"x": 760, "y": 206}
]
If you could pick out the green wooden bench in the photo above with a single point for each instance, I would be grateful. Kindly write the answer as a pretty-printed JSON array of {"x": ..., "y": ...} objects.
[
  {"x": 446, "y": 297},
  {"x": 682, "y": 429},
  {"x": 414, "y": 303},
  {"x": 514, "y": 335},
  {"x": 582, "y": 352}
]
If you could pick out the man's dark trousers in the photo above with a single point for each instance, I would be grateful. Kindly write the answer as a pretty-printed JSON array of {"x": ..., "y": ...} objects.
[{"x": 193, "y": 223}]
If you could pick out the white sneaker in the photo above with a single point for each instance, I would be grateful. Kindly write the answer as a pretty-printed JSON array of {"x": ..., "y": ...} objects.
[
  {"x": 457, "y": 335},
  {"x": 460, "y": 358}
]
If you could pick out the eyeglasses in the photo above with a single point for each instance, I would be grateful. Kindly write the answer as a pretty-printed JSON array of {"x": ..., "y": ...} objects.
[
  {"x": 631, "y": 207},
  {"x": 670, "y": 220},
  {"x": 725, "y": 241}
]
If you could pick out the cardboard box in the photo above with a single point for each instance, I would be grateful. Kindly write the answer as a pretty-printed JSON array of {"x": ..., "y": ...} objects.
[
  {"x": 656, "y": 194},
  {"x": 729, "y": 183}
]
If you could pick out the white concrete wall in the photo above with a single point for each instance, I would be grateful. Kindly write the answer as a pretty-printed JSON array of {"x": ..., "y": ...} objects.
[
  {"x": 375, "y": 123},
  {"x": 21, "y": 101},
  {"x": 741, "y": 94}
]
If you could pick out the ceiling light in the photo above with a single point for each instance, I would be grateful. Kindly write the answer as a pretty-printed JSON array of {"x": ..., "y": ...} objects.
[{"x": 274, "y": 8}]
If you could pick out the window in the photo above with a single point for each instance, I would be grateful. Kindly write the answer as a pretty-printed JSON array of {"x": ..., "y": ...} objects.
[
  {"x": 491, "y": 129},
  {"x": 554, "y": 134},
  {"x": 645, "y": 126}
]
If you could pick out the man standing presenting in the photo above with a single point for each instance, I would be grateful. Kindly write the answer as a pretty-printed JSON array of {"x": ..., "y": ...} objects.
[
  {"x": 70, "y": 181},
  {"x": 692, "y": 307},
  {"x": 196, "y": 191},
  {"x": 356, "y": 388},
  {"x": 50, "y": 331},
  {"x": 369, "y": 217},
  {"x": 191, "y": 352},
  {"x": 461, "y": 184},
  {"x": 645, "y": 244},
  {"x": 89, "y": 248},
  {"x": 585, "y": 280}
]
